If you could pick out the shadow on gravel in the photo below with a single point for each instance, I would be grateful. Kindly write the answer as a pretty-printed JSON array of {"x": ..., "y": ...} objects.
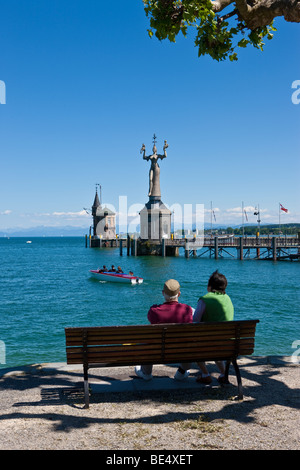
[{"x": 261, "y": 383}]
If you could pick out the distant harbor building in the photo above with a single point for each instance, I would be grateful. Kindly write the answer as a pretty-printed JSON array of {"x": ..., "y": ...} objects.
[{"x": 104, "y": 221}]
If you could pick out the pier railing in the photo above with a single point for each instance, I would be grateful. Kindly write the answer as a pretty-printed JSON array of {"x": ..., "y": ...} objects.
[
  {"x": 264, "y": 247},
  {"x": 235, "y": 242}
]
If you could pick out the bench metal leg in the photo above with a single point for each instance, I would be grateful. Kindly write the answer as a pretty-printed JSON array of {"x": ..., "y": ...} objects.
[
  {"x": 227, "y": 370},
  {"x": 239, "y": 379},
  {"x": 86, "y": 388}
]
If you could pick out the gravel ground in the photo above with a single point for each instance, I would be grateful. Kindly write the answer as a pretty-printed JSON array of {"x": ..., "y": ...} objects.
[{"x": 41, "y": 408}]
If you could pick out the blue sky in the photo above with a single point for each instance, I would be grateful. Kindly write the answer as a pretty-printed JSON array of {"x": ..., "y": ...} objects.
[{"x": 86, "y": 87}]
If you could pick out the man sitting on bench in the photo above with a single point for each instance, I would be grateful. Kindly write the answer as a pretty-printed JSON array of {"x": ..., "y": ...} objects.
[{"x": 171, "y": 311}]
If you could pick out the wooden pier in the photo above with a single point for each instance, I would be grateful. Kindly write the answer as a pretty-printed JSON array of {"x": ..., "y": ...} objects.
[
  {"x": 269, "y": 247},
  {"x": 259, "y": 247}
]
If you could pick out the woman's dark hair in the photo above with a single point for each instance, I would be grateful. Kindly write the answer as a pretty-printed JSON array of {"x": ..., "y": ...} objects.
[{"x": 217, "y": 282}]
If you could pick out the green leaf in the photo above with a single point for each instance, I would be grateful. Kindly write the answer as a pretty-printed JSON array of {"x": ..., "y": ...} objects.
[
  {"x": 243, "y": 43},
  {"x": 233, "y": 57}
]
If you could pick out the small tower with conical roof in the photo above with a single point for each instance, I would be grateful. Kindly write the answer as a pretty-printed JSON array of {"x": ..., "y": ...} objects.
[
  {"x": 104, "y": 220},
  {"x": 96, "y": 204}
]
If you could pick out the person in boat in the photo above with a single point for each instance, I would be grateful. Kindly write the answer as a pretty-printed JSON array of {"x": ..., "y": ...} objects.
[
  {"x": 216, "y": 305},
  {"x": 103, "y": 270},
  {"x": 171, "y": 311},
  {"x": 119, "y": 270},
  {"x": 112, "y": 269}
]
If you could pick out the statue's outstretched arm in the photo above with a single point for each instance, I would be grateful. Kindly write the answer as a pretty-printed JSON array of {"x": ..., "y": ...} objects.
[
  {"x": 143, "y": 151},
  {"x": 165, "y": 151},
  {"x": 165, "y": 148}
]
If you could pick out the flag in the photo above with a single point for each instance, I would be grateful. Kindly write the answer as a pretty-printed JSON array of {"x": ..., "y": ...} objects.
[
  {"x": 214, "y": 216},
  {"x": 283, "y": 208},
  {"x": 246, "y": 215}
]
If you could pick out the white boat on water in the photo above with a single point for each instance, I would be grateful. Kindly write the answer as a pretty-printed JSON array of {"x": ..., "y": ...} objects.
[{"x": 116, "y": 277}]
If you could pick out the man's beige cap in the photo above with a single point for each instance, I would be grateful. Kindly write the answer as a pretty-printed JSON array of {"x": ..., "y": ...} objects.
[{"x": 171, "y": 287}]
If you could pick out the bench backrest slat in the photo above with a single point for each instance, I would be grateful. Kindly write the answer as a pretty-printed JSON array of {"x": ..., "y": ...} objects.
[{"x": 157, "y": 344}]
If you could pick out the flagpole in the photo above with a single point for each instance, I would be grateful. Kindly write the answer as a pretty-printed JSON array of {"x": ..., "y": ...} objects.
[
  {"x": 279, "y": 218},
  {"x": 243, "y": 217},
  {"x": 211, "y": 218}
]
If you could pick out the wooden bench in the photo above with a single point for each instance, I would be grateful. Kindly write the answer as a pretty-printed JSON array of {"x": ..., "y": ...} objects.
[{"x": 170, "y": 343}]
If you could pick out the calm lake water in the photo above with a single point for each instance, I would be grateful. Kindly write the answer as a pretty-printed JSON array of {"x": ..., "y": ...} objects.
[{"x": 45, "y": 286}]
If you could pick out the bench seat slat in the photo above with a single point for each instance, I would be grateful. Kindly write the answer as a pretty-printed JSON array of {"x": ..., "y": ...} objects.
[
  {"x": 187, "y": 329},
  {"x": 176, "y": 353},
  {"x": 172, "y": 327},
  {"x": 136, "y": 347},
  {"x": 157, "y": 338},
  {"x": 156, "y": 359}
]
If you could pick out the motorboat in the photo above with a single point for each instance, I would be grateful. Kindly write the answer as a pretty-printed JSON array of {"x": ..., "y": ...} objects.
[{"x": 115, "y": 277}]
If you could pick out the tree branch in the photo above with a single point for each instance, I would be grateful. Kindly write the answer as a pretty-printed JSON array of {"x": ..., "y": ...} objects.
[
  {"x": 262, "y": 12},
  {"x": 219, "y": 5},
  {"x": 228, "y": 15},
  {"x": 258, "y": 13}
]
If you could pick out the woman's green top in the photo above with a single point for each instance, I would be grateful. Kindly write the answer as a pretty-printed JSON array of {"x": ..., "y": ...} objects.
[{"x": 218, "y": 307}]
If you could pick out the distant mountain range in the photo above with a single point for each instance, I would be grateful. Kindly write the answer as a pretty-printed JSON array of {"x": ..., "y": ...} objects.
[
  {"x": 70, "y": 231},
  {"x": 43, "y": 231}
]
